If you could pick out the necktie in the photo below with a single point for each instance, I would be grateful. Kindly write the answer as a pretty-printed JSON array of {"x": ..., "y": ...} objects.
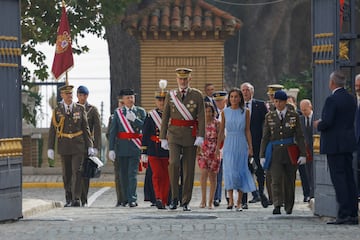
[
  {"x": 68, "y": 110},
  {"x": 183, "y": 94},
  {"x": 247, "y": 104},
  {"x": 281, "y": 117},
  {"x": 307, "y": 121}
]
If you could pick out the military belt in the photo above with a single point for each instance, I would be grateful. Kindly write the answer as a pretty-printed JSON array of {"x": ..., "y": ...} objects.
[{"x": 71, "y": 135}]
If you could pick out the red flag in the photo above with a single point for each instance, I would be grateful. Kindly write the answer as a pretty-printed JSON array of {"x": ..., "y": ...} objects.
[
  {"x": 63, "y": 59},
  {"x": 341, "y": 13}
]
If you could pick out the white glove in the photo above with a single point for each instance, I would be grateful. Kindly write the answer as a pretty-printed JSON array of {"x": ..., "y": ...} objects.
[
  {"x": 50, "y": 153},
  {"x": 199, "y": 141},
  {"x": 144, "y": 158},
  {"x": 301, "y": 160},
  {"x": 91, "y": 151},
  {"x": 112, "y": 155},
  {"x": 262, "y": 161},
  {"x": 164, "y": 144},
  {"x": 130, "y": 116},
  {"x": 96, "y": 151}
]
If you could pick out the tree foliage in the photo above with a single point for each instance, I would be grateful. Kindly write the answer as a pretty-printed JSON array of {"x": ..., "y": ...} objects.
[{"x": 39, "y": 23}]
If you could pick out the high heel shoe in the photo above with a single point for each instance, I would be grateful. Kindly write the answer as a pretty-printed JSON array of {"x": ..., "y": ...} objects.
[
  {"x": 230, "y": 207},
  {"x": 202, "y": 205}
]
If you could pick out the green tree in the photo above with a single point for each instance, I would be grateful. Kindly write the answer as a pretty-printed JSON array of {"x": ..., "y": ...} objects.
[{"x": 39, "y": 22}]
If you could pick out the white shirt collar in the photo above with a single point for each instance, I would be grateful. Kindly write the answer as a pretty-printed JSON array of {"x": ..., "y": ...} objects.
[{"x": 336, "y": 90}]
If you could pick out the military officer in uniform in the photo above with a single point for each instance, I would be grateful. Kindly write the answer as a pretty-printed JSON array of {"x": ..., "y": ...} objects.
[
  {"x": 281, "y": 129},
  {"x": 182, "y": 130},
  {"x": 93, "y": 118},
  {"x": 69, "y": 126},
  {"x": 125, "y": 144},
  {"x": 157, "y": 157},
  {"x": 120, "y": 200},
  {"x": 271, "y": 89}
]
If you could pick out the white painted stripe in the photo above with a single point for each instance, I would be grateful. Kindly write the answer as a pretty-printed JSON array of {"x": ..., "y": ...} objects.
[{"x": 97, "y": 194}]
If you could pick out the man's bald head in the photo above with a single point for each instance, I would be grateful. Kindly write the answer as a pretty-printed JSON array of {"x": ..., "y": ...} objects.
[{"x": 306, "y": 107}]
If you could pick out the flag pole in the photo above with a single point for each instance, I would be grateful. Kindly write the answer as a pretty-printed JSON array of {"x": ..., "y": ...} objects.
[
  {"x": 66, "y": 78},
  {"x": 66, "y": 73}
]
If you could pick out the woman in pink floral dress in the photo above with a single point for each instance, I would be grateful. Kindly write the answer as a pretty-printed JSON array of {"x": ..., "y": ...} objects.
[{"x": 207, "y": 160}]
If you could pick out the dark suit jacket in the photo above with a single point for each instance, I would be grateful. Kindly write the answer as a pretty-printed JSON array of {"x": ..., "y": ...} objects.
[
  {"x": 258, "y": 112},
  {"x": 307, "y": 131},
  {"x": 337, "y": 123},
  {"x": 125, "y": 147}
]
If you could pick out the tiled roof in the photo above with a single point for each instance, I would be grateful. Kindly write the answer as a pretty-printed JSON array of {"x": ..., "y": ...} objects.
[{"x": 181, "y": 16}]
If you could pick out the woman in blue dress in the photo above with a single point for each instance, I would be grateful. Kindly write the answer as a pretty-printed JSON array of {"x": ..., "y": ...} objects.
[{"x": 235, "y": 132}]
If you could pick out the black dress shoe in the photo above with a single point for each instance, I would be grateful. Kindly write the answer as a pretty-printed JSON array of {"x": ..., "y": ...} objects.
[
  {"x": 133, "y": 204},
  {"x": 264, "y": 201},
  {"x": 67, "y": 204},
  {"x": 118, "y": 204},
  {"x": 84, "y": 203},
  {"x": 307, "y": 199},
  {"x": 276, "y": 211},
  {"x": 270, "y": 202},
  {"x": 216, "y": 203},
  {"x": 245, "y": 206},
  {"x": 124, "y": 204},
  {"x": 159, "y": 204},
  {"x": 75, "y": 203},
  {"x": 186, "y": 208},
  {"x": 289, "y": 212},
  {"x": 255, "y": 200},
  {"x": 347, "y": 221},
  {"x": 173, "y": 205}
]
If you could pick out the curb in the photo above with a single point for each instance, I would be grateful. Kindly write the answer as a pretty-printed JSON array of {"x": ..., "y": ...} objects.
[
  {"x": 34, "y": 206},
  {"x": 98, "y": 184}
]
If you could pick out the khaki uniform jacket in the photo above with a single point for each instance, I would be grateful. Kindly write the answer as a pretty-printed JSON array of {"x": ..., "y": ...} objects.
[
  {"x": 194, "y": 102},
  {"x": 273, "y": 130},
  {"x": 93, "y": 117},
  {"x": 73, "y": 123}
]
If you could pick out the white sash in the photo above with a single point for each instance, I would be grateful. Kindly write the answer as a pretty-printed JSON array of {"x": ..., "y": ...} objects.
[
  {"x": 156, "y": 117},
  {"x": 180, "y": 106},
  {"x": 128, "y": 127}
]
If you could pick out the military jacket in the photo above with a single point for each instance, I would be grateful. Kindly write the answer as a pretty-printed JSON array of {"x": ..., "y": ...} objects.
[
  {"x": 194, "y": 102},
  {"x": 125, "y": 147},
  {"x": 274, "y": 130},
  {"x": 93, "y": 117},
  {"x": 64, "y": 127},
  {"x": 150, "y": 132}
]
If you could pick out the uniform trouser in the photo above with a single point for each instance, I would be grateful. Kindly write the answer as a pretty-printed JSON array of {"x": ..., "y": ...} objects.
[
  {"x": 188, "y": 164},
  {"x": 342, "y": 177},
  {"x": 71, "y": 169},
  {"x": 309, "y": 166},
  {"x": 119, "y": 196},
  {"x": 219, "y": 179},
  {"x": 149, "y": 193},
  {"x": 160, "y": 177},
  {"x": 304, "y": 180},
  {"x": 128, "y": 169},
  {"x": 85, "y": 182},
  {"x": 283, "y": 175},
  {"x": 268, "y": 184}
]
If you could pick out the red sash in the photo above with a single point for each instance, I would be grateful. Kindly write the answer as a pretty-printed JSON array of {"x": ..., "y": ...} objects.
[{"x": 185, "y": 123}]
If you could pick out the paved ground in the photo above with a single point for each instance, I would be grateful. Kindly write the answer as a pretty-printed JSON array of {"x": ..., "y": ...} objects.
[{"x": 101, "y": 220}]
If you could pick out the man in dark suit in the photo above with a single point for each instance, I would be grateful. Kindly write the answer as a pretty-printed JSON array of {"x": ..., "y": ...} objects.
[
  {"x": 338, "y": 142},
  {"x": 357, "y": 133},
  {"x": 306, "y": 120},
  {"x": 258, "y": 111},
  {"x": 209, "y": 89}
]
